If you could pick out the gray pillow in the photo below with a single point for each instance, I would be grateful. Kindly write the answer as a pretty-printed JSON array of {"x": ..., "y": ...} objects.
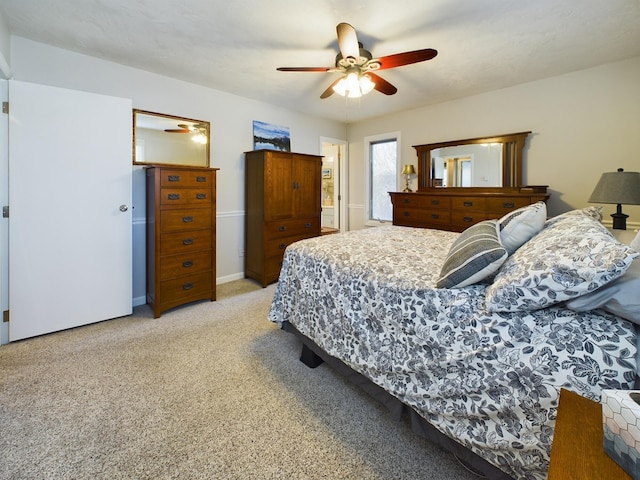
[
  {"x": 475, "y": 255},
  {"x": 620, "y": 297}
]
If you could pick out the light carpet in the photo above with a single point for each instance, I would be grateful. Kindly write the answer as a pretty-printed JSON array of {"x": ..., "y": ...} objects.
[{"x": 212, "y": 390}]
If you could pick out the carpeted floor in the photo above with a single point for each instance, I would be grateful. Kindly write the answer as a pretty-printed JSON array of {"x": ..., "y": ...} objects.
[{"x": 212, "y": 390}]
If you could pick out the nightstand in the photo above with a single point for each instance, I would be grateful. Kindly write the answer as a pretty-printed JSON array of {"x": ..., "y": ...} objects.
[{"x": 577, "y": 452}]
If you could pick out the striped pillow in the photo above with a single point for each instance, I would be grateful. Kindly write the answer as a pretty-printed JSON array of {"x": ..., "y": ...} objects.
[{"x": 475, "y": 255}]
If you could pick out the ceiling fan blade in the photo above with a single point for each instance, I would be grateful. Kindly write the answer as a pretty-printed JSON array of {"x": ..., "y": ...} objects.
[
  {"x": 303, "y": 69},
  {"x": 329, "y": 91},
  {"x": 382, "y": 85},
  {"x": 406, "y": 58},
  {"x": 348, "y": 41}
]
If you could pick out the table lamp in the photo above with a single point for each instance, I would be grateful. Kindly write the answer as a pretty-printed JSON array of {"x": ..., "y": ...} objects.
[
  {"x": 407, "y": 171},
  {"x": 618, "y": 188}
]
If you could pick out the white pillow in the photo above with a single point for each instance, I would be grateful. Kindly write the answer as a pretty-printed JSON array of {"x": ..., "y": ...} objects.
[{"x": 519, "y": 226}]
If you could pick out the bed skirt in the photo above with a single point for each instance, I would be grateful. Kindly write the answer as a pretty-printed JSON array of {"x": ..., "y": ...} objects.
[{"x": 312, "y": 356}]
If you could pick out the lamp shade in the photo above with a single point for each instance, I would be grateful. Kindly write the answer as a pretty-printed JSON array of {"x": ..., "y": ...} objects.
[
  {"x": 408, "y": 170},
  {"x": 617, "y": 187}
]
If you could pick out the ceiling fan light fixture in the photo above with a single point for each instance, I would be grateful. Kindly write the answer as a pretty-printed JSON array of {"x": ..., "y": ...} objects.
[
  {"x": 354, "y": 85},
  {"x": 366, "y": 84},
  {"x": 200, "y": 138}
]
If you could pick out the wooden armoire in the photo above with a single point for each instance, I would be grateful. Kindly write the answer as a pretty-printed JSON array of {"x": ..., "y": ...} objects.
[{"x": 283, "y": 205}]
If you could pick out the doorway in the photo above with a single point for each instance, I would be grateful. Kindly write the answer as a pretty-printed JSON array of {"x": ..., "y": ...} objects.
[{"x": 333, "y": 184}]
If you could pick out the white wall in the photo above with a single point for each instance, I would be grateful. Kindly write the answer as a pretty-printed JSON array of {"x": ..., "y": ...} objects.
[
  {"x": 231, "y": 120},
  {"x": 584, "y": 123},
  {"x": 5, "y": 49}
]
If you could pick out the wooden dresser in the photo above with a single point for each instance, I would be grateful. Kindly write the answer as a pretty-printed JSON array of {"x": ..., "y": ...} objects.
[
  {"x": 456, "y": 209},
  {"x": 181, "y": 236},
  {"x": 283, "y": 205}
]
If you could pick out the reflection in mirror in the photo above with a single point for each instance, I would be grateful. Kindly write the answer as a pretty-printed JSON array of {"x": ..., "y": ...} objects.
[
  {"x": 160, "y": 139},
  {"x": 475, "y": 165},
  {"x": 488, "y": 162}
]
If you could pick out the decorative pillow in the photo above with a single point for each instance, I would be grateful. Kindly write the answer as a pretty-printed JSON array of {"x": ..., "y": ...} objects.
[
  {"x": 522, "y": 224},
  {"x": 475, "y": 255},
  {"x": 620, "y": 297},
  {"x": 592, "y": 212},
  {"x": 571, "y": 256}
]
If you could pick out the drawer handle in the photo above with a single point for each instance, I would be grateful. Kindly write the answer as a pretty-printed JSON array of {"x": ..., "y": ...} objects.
[
  {"x": 187, "y": 286},
  {"x": 282, "y": 228},
  {"x": 201, "y": 179},
  {"x": 187, "y": 264},
  {"x": 307, "y": 225},
  {"x": 406, "y": 200},
  {"x": 467, "y": 204},
  {"x": 174, "y": 196},
  {"x": 435, "y": 216},
  {"x": 201, "y": 196},
  {"x": 468, "y": 219},
  {"x": 188, "y": 219},
  {"x": 435, "y": 202},
  {"x": 282, "y": 246},
  {"x": 187, "y": 241},
  {"x": 407, "y": 214},
  {"x": 508, "y": 204},
  {"x": 174, "y": 178}
]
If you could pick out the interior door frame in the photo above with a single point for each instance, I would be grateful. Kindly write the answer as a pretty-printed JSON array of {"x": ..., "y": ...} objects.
[
  {"x": 343, "y": 145},
  {"x": 4, "y": 222}
]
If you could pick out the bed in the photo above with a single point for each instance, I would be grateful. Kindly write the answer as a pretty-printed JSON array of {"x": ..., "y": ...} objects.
[{"x": 472, "y": 342}]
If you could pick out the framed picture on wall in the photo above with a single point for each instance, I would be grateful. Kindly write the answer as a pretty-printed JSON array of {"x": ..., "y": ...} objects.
[
  {"x": 327, "y": 173},
  {"x": 271, "y": 137}
]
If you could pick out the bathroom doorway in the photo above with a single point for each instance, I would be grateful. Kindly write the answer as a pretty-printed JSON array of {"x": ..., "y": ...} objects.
[{"x": 333, "y": 184}]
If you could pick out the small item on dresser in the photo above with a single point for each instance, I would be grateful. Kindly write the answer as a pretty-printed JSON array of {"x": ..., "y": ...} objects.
[{"x": 621, "y": 422}]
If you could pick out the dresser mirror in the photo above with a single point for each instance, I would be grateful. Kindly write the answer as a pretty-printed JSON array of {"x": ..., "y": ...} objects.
[
  {"x": 160, "y": 139},
  {"x": 489, "y": 162}
]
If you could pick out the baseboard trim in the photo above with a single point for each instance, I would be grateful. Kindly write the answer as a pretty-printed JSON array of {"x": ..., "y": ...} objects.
[
  {"x": 137, "y": 301},
  {"x": 230, "y": 278}
]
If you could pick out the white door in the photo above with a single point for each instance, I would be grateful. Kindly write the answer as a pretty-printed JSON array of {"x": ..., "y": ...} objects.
[{"x": 70, "y": 208}]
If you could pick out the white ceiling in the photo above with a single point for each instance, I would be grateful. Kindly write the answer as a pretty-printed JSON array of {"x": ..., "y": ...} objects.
[{"x": 236, "y": 45}]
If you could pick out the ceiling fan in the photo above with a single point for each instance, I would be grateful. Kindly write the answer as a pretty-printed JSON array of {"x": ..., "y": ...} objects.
[
  {"x": 184, "y": 128},
  {"x": 199, "y": 131},
  {"x": 357, "y": 66}
]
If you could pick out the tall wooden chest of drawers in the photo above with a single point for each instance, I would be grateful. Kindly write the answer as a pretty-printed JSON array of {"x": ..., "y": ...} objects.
[
  {"x": 283, "y": 193},
  {"x": 456, "y": 209},
  {"x": 181, "y": 236}
]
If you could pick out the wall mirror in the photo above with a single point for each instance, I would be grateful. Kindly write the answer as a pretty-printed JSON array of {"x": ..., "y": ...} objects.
[
  {"x": 489, "y": 162},
  {"x": 160, "y": 139}
]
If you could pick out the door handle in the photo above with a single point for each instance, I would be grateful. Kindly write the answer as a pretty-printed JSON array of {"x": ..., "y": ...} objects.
[{"x": 123, "y": 208}]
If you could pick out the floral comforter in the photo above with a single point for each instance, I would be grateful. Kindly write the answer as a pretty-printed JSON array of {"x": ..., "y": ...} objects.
[{"x": 491, "y": 381}]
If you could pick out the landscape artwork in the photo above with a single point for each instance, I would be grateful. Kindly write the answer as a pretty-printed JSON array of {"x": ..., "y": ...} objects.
[{"x": 273, "y": 137}]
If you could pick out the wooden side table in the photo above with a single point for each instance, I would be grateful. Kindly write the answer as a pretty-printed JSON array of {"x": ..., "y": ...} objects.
[{"x": 577, "y": 452}]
